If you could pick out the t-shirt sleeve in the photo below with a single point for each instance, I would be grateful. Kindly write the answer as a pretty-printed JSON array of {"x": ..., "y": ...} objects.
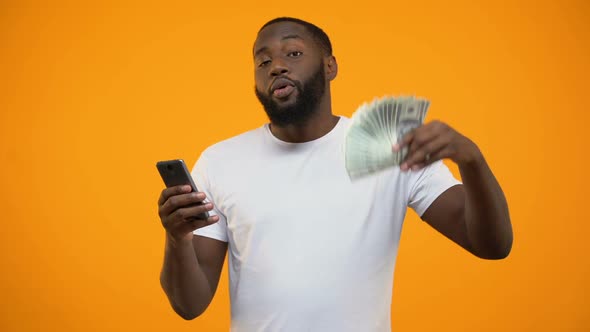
[
  {"x": 427, "y": 184},
  {"x": 200, "y": 174}
]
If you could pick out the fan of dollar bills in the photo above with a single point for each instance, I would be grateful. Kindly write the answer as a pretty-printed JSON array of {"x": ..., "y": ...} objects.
[{"x": 376, "y": 127}]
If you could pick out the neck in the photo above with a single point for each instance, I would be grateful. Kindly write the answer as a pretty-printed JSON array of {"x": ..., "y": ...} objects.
[{"x": 321, "y": 123}]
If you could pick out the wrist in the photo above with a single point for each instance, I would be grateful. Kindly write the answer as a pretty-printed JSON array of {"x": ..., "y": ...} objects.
[
  {"x": 471, "y": 156},
  {"x": 176, "y": 241}
]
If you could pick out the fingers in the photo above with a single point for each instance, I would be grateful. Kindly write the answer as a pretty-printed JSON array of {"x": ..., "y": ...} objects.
[
  {"x": 198, "y": 223},
  {"x": 191, "y": 212},
  {"x": 405, "y": 141},
  {"x": 415, "y": 138},
  {"x": 186, "y": 219},
  {"x": 181, "y": 228},
  {"x": 181, "y": 211},
  {"x": 176, "y": 190},
  {"x": 424, "y": 154},
  {"x": 421, "y": 138},
  {"x": 445, "y": 152},
  {"x": 425, "y": 145},
  {"x": 428, "y": 159},
  {"x": 180, "y": 200}
]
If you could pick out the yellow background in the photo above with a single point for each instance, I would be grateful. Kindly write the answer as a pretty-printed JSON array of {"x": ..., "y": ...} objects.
[{"x": 92, "y": 95}]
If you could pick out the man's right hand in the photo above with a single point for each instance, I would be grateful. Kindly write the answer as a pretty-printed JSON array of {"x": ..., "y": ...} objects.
[{"x": 178, "y": 212}]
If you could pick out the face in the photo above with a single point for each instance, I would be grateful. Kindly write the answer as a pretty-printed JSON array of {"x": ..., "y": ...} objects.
[{"x": 289, "y": 73}]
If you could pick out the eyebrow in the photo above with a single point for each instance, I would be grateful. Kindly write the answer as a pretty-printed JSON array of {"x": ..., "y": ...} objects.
[{"x": 264, "y": 48}]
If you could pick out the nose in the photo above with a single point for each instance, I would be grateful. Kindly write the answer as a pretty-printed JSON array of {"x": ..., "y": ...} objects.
[{"x": 278, "y": 68}]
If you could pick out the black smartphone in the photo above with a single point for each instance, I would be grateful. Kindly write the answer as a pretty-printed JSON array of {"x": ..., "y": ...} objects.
[{"x": 175, "y": 173}]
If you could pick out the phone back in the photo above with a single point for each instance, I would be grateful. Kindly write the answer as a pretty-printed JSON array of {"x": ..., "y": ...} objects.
[{"x": 175, "y": 173}]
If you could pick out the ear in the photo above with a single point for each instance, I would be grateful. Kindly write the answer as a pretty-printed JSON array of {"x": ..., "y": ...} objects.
[{"x": 331, "y": 67}]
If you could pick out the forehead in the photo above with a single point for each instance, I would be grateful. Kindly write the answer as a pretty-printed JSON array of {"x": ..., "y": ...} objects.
[{"x": 278, "y": 32}]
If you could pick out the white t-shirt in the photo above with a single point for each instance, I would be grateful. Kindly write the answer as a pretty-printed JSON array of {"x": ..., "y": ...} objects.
[{"x": 309, "y": 248}]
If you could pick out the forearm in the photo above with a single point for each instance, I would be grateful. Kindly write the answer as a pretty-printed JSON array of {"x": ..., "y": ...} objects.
[
  {"x": 486, "y": 212},
  {"x": 183, "y": 280}
]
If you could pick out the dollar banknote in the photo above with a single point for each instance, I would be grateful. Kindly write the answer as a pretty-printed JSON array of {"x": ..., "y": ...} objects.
[{"x": 376, "y": 127}]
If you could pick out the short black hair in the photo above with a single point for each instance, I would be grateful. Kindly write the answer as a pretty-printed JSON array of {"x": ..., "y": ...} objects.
[{"x": 318, "y": 34}]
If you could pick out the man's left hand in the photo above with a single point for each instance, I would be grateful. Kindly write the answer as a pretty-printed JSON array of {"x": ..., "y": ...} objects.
[{"x": 435, "y": 141}]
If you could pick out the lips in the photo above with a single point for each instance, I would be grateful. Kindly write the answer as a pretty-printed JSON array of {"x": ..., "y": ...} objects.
[{"x": 282, "y": 87}]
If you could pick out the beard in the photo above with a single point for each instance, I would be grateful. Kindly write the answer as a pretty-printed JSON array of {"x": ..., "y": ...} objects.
[{"x": 309, "y": 94}]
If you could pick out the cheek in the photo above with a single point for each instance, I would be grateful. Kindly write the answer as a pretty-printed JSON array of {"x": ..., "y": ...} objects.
[{"x": 260, "y": 83}]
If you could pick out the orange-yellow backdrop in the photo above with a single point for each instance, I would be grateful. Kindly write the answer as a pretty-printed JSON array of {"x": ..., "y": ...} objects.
[{"x": 92, "y": 95}]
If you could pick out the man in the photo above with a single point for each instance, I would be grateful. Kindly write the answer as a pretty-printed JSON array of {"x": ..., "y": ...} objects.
[{"x": 309, "y": 249}]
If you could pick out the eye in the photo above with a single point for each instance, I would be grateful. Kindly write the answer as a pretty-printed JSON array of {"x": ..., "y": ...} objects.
[
  {"x": 264, "y": 63},
  {"x": 295, "y": 54}
]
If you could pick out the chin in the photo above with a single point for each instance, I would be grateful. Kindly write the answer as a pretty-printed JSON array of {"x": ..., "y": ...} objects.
[{"x": 285, "y": 104}]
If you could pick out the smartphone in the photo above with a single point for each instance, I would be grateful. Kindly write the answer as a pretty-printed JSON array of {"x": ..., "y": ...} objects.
[{"x": 175, "y": 173}]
